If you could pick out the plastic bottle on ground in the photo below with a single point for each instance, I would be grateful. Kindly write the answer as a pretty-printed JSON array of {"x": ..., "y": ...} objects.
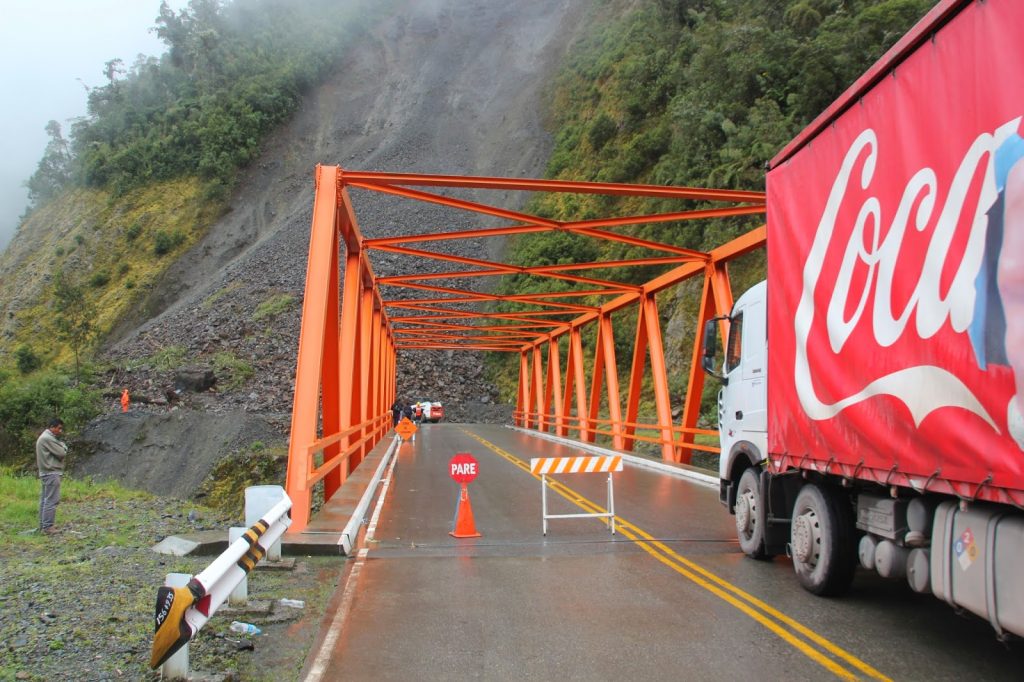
[
  {"x": 294, "y": 603},
  {"x": 244, "y": 628}
]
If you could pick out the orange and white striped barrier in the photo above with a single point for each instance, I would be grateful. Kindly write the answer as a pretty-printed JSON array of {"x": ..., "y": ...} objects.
[{"x": 543, "y": 466}]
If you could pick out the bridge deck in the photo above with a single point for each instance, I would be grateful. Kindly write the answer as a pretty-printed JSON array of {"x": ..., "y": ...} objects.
[{"x": 669, "y": 596}]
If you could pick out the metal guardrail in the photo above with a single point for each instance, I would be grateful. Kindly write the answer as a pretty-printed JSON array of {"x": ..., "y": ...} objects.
[{"x": 182, "y": 611}]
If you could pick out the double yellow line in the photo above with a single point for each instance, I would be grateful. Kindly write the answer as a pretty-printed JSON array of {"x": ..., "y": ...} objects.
[{"x": 836, "y": 660}]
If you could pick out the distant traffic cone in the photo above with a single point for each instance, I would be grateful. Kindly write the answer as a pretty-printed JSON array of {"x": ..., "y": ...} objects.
[{"x": 465, "y": 527}]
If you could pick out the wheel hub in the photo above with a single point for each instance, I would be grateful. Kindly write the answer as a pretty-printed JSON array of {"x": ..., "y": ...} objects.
[
  {"x": 744, "y": 507},
  {"x": 805, "y": 537}
]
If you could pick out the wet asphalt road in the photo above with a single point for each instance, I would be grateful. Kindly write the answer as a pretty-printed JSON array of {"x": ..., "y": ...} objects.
[{"x": 670, "y": 596}]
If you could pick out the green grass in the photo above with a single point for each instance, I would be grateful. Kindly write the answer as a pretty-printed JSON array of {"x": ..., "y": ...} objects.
[
  {"x": 216, "y": 296},
  {"x": 232, "y": 372},
  {"x": 273, "y": 306},
  {"x": 19, "y": 505}
]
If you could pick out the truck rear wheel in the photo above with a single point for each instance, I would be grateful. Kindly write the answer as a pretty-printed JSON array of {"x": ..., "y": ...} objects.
[
  {"x": 750, "y": 515},
  {"x": 822, "y": 541}
]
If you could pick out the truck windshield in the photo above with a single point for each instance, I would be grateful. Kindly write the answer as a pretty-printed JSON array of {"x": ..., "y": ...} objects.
[{"x": 732, "y": 352}]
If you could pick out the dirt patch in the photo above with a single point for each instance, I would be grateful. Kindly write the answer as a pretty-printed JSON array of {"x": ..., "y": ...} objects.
[{"x": 167, "y": 453}]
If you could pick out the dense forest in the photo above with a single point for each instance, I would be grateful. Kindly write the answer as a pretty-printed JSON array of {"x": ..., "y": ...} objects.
[{"x": 700, "y": 93}]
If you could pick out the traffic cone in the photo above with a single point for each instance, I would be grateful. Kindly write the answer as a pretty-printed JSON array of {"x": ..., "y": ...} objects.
[{"x": 465, "y": 527}]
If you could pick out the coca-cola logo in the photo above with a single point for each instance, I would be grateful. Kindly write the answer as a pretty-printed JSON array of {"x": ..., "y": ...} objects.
[{"x": 872, "y": 249}]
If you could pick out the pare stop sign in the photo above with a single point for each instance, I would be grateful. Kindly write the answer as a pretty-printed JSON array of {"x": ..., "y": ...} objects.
[{"x": 463, "y": 467}]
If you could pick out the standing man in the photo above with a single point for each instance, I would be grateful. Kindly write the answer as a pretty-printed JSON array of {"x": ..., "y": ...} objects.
[{"x": 50, "y": 454}]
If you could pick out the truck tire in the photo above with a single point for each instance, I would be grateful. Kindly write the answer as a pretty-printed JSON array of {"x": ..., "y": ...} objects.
[
  {"x": 822, "y": 541},
  {"x": 750, "y": 515}
]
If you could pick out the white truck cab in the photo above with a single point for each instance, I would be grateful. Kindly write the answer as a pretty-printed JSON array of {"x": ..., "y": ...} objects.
[
  {"x": 743, "y": 398},
  {"x": 742, "y": 410}
]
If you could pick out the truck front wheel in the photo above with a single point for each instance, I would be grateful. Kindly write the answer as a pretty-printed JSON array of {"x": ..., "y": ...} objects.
[
  {"x": 750, "y": 515},
  {"x": 822, "y": 541}
]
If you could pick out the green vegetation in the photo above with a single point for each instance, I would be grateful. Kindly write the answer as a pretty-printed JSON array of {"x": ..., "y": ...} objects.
[
  {"x": 273, "y": 306},
  {"x": 171, "y": 357},
  {"x": 231, "y": 372},
  {"x": 233, "y": 71},
  {"x": 73, "y": 316},
  {"x": 216, "y": 296},
  {"x": 26, "y": 360},
  {"x": 696, "y": 93},
  {"x": 258, "y": 464},
  {"x": 165, "y": 241},
  {"x": 19, "y": 502},
  {"x": 27, "y": 403}
]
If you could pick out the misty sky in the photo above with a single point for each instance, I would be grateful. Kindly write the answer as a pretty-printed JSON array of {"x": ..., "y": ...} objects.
[{"x": 45, "y": 47}]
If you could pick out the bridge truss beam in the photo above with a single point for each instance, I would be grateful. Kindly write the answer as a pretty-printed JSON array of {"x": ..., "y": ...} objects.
[{"x": 351, "y": 333}]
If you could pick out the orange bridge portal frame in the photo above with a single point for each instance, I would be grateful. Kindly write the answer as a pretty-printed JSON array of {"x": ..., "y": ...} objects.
[{"x": 346, "y": 373}]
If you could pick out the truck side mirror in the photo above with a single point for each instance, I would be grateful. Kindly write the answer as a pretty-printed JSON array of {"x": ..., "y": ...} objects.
[{"x": 711, "y": 347}]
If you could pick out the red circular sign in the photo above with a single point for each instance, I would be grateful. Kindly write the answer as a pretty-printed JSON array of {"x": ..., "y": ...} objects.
[{"x": 463, "y": 468}]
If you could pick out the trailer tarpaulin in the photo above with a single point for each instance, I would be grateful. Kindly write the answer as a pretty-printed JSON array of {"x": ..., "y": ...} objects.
[{"x": 896, "y": 276}]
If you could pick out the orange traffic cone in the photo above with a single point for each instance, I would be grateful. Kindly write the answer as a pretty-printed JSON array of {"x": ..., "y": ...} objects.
[{"x": 465, "y": 527}]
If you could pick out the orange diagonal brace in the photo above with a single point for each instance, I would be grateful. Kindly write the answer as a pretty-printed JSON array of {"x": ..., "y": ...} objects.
[
  {"x": 659, "y": 375},
  {"x": 716, "y": 299}
]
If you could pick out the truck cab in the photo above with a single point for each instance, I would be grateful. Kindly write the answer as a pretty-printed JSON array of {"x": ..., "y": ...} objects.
[{"x": 742, "y": 400}]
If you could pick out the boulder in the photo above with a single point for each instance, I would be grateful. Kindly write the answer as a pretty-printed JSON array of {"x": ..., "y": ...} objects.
[{"x": 194, "y": 379}]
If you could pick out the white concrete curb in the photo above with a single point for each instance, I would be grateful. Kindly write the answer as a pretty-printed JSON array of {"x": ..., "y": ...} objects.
[{"x": 351, "y": 531}]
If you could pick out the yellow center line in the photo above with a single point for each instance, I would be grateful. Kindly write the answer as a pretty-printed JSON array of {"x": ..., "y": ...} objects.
[{"x": 711, "y": 582}]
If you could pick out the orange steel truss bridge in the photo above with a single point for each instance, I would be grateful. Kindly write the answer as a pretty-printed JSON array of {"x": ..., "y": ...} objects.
[{"x": 347, "y": 361}]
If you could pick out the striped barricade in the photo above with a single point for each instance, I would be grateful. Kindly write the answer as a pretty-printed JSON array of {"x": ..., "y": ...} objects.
[{"x": 544, "y": 466}]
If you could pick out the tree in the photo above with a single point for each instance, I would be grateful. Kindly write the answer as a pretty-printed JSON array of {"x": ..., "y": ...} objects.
[
  {"x": 54, "y": 170},
  {"x": 27, "y": 360},
  {"x": 74, "y": 316}
]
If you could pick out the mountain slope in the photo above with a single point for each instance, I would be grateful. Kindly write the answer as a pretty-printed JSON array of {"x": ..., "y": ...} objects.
[{"x": 449, "y": 87}]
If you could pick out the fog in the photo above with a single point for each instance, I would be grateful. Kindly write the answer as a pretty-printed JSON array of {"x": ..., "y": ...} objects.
[{"x": 50, "y": 52}]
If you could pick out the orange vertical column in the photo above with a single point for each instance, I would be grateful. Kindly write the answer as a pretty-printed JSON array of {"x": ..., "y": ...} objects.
[
  {"x": 323, "y": 256},
  {"x": 537, "y": 389},
  {"x": 365, "y": 373},
  {"x": 330, "y": 408},
  {"x": 612, "y": 381},
  {"x": 636, "y": 379},
  {"x": 376, "y": 367},
  {"x": 716, "y": 293},
  {"x": 578, "y": 379},
  {"x": 523, "y": 395},
  {"x": 553, "y": 390},
  {"x": 349, "y": 366}
]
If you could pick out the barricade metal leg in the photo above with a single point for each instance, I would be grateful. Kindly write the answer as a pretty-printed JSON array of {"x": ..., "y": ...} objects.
[
  {"x": 611, "y": 502},
  {"x": 544, "y": 502}
]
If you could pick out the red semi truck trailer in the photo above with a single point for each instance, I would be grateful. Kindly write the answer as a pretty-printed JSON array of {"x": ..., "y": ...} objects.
[{"x": 873, "y": 387}]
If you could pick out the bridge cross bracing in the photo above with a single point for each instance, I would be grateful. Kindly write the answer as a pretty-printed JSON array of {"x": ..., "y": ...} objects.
[{"x": 354, "y": 322}]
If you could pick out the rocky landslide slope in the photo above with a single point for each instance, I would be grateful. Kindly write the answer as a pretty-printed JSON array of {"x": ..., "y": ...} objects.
[{"x": 446, "y": 87}]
